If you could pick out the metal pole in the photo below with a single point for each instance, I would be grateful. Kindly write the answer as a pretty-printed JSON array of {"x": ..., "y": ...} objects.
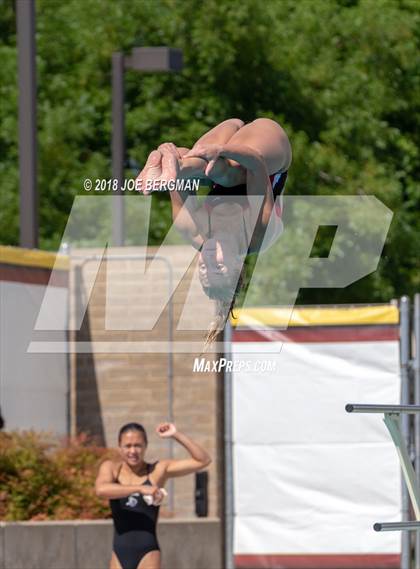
[
  {"x": 25, "y": 21},
  {"x": 392, "y": 423},
  {"x": 65, "y": 250},
  {"x": 416, "y": 366},
  {"x": 396, "y": 526},
  {"x": 405, "y": 425},
  {"x": 391, "y": 409},
  {"x": 171, "y": 416},
  {"x": 118, "y": 147},
  {"x": 228, "y": 410}
]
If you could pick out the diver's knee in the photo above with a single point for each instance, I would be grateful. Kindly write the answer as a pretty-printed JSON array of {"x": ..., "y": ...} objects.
[
  {"x": 263, "y": 121},
  {"x": 238, "y": 122}
]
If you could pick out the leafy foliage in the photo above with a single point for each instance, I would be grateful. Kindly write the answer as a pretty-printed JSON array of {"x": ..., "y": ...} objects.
[
  {"x": 42, "y": 478},
  {"x": 340, "y": 75}
]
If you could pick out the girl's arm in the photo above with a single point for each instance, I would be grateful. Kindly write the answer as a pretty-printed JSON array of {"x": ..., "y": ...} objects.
[
  {"x": 246, "y": 156},
  {"x": 199, "y": 457},
  {"x": 257, "y": 182},
  {"x": 192, "y": 167},
  {"x": 183, "y": 204},
  {"x": 243, "y": 155},
  {"x": 106, "y": 487},
  {"x": 183, "y": 219},
  {"x": 188, "y": 168}
]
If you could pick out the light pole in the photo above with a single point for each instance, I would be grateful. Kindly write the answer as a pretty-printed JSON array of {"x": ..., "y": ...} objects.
[
  {"x": 146, "y": 59},
  {"x": 25, "y": 19}
]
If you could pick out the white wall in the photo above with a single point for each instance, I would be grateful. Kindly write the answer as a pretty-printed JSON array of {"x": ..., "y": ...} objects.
[{"x": 33, "y": 387}]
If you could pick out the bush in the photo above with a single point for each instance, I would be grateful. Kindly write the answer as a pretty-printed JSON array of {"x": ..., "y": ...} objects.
[{"x": 42, "y": 478}]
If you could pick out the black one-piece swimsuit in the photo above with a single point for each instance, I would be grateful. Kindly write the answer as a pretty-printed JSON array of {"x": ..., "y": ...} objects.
[{"x": 134, "y": 528}]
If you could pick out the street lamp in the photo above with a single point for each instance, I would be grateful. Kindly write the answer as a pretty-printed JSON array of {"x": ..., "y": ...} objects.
[
  {"x": 25, "y": 20},
  {"x": 146, "y": 59}
]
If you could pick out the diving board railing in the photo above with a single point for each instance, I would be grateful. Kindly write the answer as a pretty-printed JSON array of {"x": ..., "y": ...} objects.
[
  {"x": 392, "y": 421},
  {"x": 396, "y": 526}
]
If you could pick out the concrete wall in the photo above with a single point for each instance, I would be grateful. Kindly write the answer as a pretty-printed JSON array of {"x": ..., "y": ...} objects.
[
  {"x": 110, "y": 389},
  {"x": 33, "y": 386},
  {"x": 185, "y": 544}
]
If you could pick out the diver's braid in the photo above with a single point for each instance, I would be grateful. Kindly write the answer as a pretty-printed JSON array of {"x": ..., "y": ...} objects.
[{"x": 223, "y": 309}]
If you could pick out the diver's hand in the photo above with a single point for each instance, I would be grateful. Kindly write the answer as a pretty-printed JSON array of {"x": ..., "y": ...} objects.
[{"x": 209, "y": 152}]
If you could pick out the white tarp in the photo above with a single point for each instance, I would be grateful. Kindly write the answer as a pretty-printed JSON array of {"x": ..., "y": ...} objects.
[
  {"x": 33, "y": 387},
  {"x": 310, "y": 478}
]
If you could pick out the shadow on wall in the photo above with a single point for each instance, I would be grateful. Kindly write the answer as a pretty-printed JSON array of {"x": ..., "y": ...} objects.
[{"x": 88, "y": 408}]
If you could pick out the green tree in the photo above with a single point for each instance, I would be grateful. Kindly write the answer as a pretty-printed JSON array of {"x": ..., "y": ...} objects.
[{"x": 340, "y": 75}]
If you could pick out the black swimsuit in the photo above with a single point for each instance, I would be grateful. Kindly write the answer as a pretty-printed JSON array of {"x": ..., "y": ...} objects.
[
  {"x": 239, "y": 194},
  {"x": 278, "y": 181},
  {"x": 134, "y": 527}
]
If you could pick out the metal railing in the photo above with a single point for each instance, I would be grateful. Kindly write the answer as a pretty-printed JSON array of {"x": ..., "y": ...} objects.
[
  {"x": 406, "y": 440},
  {"x": 391, "y": 420}
]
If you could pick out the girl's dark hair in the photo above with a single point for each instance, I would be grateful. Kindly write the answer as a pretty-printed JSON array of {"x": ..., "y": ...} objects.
[
  {"x": 132, "y": 427},
  {"x": 224, "y": 306}
]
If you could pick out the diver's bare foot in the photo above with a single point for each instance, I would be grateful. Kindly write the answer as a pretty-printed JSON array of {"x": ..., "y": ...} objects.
[
  {"x": 170, "y": 167},
  {"x": 171, "y": 160},
  {"x": 152, "y": 171}
]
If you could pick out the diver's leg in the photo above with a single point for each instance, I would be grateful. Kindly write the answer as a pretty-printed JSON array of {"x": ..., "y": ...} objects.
[
  {"x": 269, "y": 139},
  {"x": 222, "y": 172},
  {"x": 115, "y": 564},
  {"x": 150, "y": 561},
  {"x": 221, "y": 133},
  {"x": 157, "y": 167}
]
